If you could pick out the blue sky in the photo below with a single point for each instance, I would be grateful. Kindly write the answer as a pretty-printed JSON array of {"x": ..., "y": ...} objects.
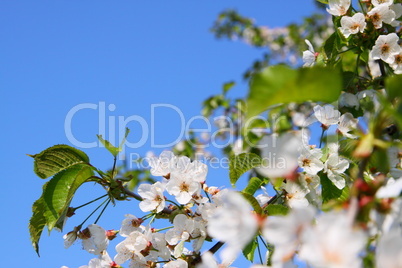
[{"x": 59, "y": 54}]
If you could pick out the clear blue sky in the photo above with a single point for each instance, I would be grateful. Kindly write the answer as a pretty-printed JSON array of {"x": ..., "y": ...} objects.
[{"x": 58, "y": 54}]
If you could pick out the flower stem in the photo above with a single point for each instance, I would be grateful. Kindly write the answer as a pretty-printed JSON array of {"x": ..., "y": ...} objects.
[{"x": 96, "y": 199}]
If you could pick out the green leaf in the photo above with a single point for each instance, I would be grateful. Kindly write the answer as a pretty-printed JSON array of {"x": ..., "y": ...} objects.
[
  {"x": 253, "y": 185},
  {"x": 110, "y": 147},
  {"x": 239, "y": 164},
  {"x": 249, "y": 250},
  {"x": 281, "y": 84},
  {"x": 331, "y": 192},
  {"x": 393, "y": 86},
  {"x": 227, "y": 86},
  {"x": 253, "y": 202},
  {"x": 50, "y": 209},
  {"x": 276, "y": 209},
  {"x": 57, "y": 158},
  {"x": 37, "y": 223},
  {"x": 330, "y": 45},
  {"x": 323, "y": 1},
  {"x": 60, "y": 190}
]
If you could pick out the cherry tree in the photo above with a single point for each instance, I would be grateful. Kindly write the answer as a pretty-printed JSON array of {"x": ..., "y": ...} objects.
[{"x": 316, "y": 139}]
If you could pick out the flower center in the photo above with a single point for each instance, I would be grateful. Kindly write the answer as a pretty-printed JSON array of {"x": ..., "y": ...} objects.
[
  {"x": 375, "y": 17},
  {"x": 385, "y": 48},
  {"x": 398, "y": 59},
  {"x": 184, "y": 187},
  {"x": 306, "y": 162}
]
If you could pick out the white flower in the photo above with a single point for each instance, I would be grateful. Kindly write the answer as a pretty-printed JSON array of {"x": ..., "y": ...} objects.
[
  {"x": 338, "y": 7},
  {"x": 264, "y": 197},
  {"x": 162, "y": 165},
  {"x": 209, "y": 261},
  {"x": 386, "y": 47},
  {"x": 295, "y": 195},
  {"x": 380, "y": 14},
  {"x": 327, "y": 114},
  {"x": 374, "y": 66},
  {"x": 284, "y": 232},
  {"x": 334, "y": 167},
  {"x": 347, "y": 123},
  {"x": 104, "y": 261},
  {"x": 310, "y": 161},
  {"x": 279, "y": 154},
  {"x": 234, "y": 224},
  {"x": 94, "y": 239},
  {"x": 309, "y": 56},
  {"x": 71, "y": 237},
  {"x": 392, "y": 189},
  {"x": 182, "y": 187},
  {"x": 396, "y": 64},
  {"x": 333, "y": 242},
  {"x": 131, "y": 248},
  {"x": 159, "y": 244},
  {"x": 183, "y": 226},
  {"x": 352, "y": 25},
  {"x": 152, "y": 196},
  {"x": 349, "y": 100},
  {"x": 389, "y": 250},
  {"x": 130, "y": 224},
  {"x": 179, "y": 263},
  {"x": 379, "y": 2}
]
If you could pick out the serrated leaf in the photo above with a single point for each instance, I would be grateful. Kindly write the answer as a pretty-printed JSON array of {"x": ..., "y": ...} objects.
[
  {"x": 37, "y": 223},
  {"x": 59, "y": 191},
  {"x": 276, "y": 209},
  {"x": 253, "y": 202},
  {"x": 331, "y": 192},
  {"x": 57, "y": 158},
  {"x": 249, "y": 250},
  {"x": 280, "y": 84},
  {"x": 239, "y": 164},
  {"x": 50, "y": 209},
  {"x": 253, "y": 185}
]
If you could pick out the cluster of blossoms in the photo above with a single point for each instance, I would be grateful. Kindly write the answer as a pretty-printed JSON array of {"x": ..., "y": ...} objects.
[
  {"x": 199, "y": 213},
  {"x": 378, "y": 13},
  {"x": 332, "y": 239}
]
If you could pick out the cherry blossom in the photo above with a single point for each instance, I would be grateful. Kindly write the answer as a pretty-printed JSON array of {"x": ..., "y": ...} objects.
[
  {"x": 352, "y": 25},
  {"x": 310, "y": 161},
  {"x": 279, "y": 154},
  {"x": 380, "y": 2},
  {"x": 347, "y": 123},
  {"x": 284, "y": 232},
  {"x": 338, "y": 7},
  {"x": 94, "y": 239},
  {"x": 309, "y": 56},
  {"x": 295, "y": 194},
  {"x": 386, "y": 47},
  {"x": 152, "y": 195},
  {"x": 233, "y": 224},
  {"x": 333, "y": 242},
  {"x": 381, "y": 13},
  {"x": 327, "y": 114},
  {"x": 130, "y": 224},
  {"x": 335, "y": 166}
]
